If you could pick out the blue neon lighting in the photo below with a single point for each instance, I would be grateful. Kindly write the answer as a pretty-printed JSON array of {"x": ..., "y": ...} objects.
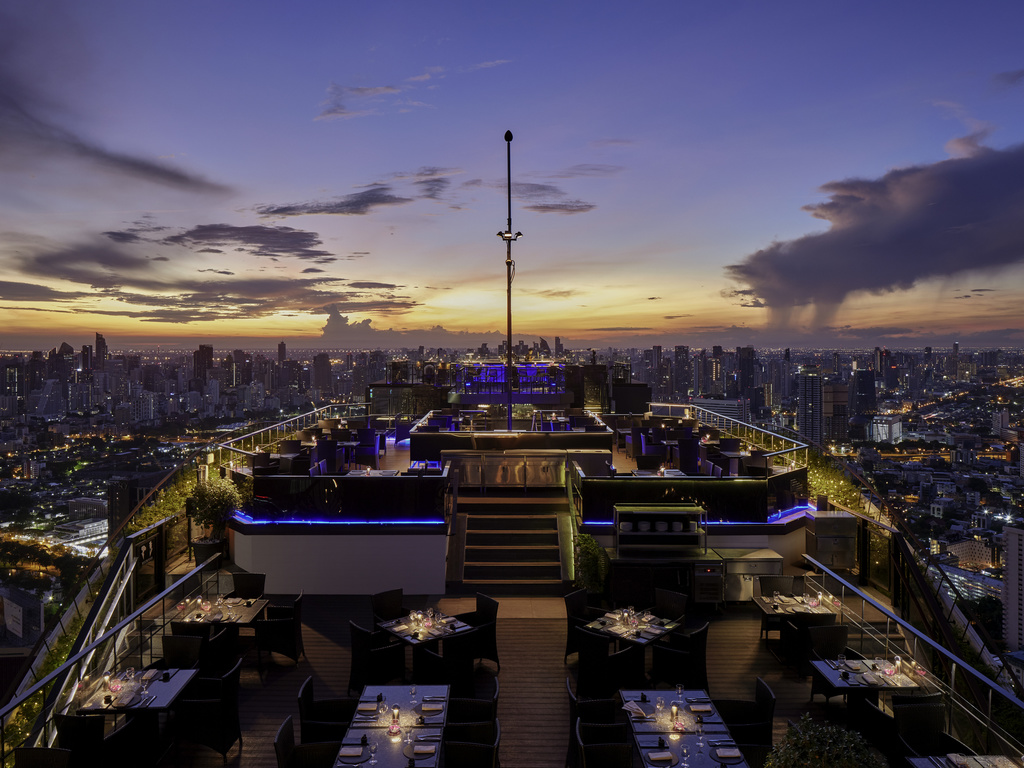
[{"x": 313, "y": 521}]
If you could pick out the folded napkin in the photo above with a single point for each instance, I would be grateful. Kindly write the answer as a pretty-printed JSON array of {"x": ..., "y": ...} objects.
[
  {"x": 956, "y": 759},
  {"x": 666, "y": 755},
  {"x": 127, "y": 699},
  {"x": 869, "y": 678},
  {"x": 634, "y": 709},
  {"x": 728, "y": 752},
  {"x": 423, "y": 749},
  {"x": 399, "y": 628},
  {"x": 355, "y": 751},
  {"x": 446, "y": 620},
  {"x": 432, "y": 706},
  {"x": 612, "y": 615},
  {"x": 234, "y": 601},
  {"x": 653, "y": 629},
  {"x": 701, "y": 708},
  {"x": 854, "y": 665},
  {"x": 149, "y": 674},
  {"x": 367, "y": 706}
]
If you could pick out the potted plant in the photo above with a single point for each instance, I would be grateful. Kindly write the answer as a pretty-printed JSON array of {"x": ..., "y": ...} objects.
[
  {"x": 210, "y": 506},
  {"x": 813, "y": 743},
  {"x": 591, "y": 563}
]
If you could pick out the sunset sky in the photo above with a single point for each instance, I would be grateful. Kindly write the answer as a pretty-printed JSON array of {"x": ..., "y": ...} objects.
[{"x": 331, "y": 173}]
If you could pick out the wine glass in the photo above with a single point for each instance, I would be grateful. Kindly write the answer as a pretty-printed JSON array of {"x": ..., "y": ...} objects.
[
  {"x": 412, "y": 694},
  {"x": 383, "y": 709},
  {"x": 679, "y": 690},
  {"x": 684, "y": 753},
  {"x": 659, "y": 709},
  {"x": 841, "y": 660},
  {"x": 373, "y": 753}
]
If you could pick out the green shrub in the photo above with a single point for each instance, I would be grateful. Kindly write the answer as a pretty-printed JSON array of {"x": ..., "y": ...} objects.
[{"x": 822, "y": 745}]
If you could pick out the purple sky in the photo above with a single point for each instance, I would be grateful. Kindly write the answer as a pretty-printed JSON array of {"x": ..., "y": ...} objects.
[{"x": 798, "y": 173}]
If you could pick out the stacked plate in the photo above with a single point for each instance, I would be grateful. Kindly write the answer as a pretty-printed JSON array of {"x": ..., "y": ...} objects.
[{"x": 661, "y": 526}]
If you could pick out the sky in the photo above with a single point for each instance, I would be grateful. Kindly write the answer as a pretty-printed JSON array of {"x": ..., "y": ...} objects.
[{"x": 333, "y": 174}]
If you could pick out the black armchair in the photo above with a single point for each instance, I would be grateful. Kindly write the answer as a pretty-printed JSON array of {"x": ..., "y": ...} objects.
[
  {"x": 83, "y": 736},
  {"x": 280, "y": 632},
  {"x": 323, "y": 719},
  {"x": 209, "y": 715},
  {"x": 669, "y": 604},
  {"x": 485, "y": 619},
  {"x": 750, "y": 722},
  {"x": 291, "y": 755},
  {"x": 41, "y": 757},
  {"x": 601, "y": 673},
  {"x": 577, "y": 614},
  {"x": 248, "y": 586},
  {"x": 471, "y": 753},
  {"x": 375, "y": 659},
  {"x": 388, "y": 605}
]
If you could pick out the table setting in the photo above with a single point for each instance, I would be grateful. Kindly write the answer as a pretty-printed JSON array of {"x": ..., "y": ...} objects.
[
  {"x": 627, "y": 624},
  {"x": 130, "y": 690},
  {"x": 395, "y": 724},
  {"x": 424, "y": 626}
]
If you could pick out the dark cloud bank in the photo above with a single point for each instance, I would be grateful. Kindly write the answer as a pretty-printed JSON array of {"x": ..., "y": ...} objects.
[{"x": 912, "y": 224}]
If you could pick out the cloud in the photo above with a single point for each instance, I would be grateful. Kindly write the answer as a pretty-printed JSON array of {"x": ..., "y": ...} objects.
[
  {"x": 888, "y": 234},
  {"x": 334, "y": 105},
  {"x": 218, "y": 271},
  {"x": 1009, "y": 79},
  {"x": 489, "y": 64},
  {"x": 30, "y": 130},
  {"x": 356, "y": 204},
  {"x": 10, "y": 291},
  {"x": 591, "y": 170},
  {"x": 432, "y": 188},
  {"x": 367, "y": 285},
  {"x": 567, "y": 206},
  {"x": 676, "y": 317},
  {"x": 123, "y": 237},
  {"x": 259, "y": 240}
]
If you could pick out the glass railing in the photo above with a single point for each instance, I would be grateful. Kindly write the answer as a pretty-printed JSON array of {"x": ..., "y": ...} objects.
[
  {"x": 980, "y": 712},
  {"x": 130, "y": 645}
]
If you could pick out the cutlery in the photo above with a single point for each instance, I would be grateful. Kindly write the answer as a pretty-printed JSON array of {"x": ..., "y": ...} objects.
[
  {"x": 434, "y": 698},
  {"x": 429, "y": 738},
  {"x": 722, "y": 742}
]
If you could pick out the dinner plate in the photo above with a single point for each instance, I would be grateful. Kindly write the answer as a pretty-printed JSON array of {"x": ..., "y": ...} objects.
[
  {"x": 362, "y": 757},
  {"x": 410, "y": 751}
]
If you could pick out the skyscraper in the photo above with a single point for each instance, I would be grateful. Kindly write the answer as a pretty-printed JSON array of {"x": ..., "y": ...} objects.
[
  {"x": 101, "y": 352},
  {"x": 1013, "y": 588},
  {"x": 202, "y": 361},
  {"x": 810, "y": 408},
  {"x": 282, "y": 353}
]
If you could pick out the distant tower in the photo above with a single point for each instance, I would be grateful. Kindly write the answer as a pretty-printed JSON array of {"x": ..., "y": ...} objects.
[
  {"x": 101, "y": 352},
  {"x": 809, "y": 414},
  {"x": 202, "y": 361},
  {"x": 282, "y": 353}
]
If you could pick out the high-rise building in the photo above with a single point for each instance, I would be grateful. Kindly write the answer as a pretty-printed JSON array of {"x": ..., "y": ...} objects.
[
  {"x": 202, "y": 361},
  {"x": 282, "y": 353},
  {"x": 1013, "y": 588},
  {"x": 835, "y": 401},
  {"x": 101, "y": 352},
  {"x": 322, "y": 378},
  {"x": 681, "y": 370},
  {"x": 810, "y": 405}
]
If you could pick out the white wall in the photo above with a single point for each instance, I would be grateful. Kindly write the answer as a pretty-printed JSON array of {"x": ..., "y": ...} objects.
[{"x": 343, "y": 565}]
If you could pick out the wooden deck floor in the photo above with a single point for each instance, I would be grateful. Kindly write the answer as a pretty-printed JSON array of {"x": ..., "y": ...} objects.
[{"x": 532, "y": 706}]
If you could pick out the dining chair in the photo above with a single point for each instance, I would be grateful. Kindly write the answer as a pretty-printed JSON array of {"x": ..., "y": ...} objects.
[
  {"x": 749, "y": 722},
  {"x": 376, "y": 660},
  {"x": 248, "y": 586},
  {"x": 280, "y": 632},
  {"x": 601, "y": 673},
  {"x": 217, "y": 654},
  {"x": 84, "y": 736},
  {"x": 192, "y": 628},
  {"x": 827, "y": 642},
  {"x": 485, "y": 620},
  {"x": 453, "y": 667},
  {"x": 388, "y": 605},
  {"x": 669, "y": 604},
  {"x": 577, "y": 614},
  {"x": 795, "y": 641},
  {"x": 755, "y": 755},
  {"x": 617, "y": 753},
  {"x": 180, "y": 652},
  {"x": 921, "y": 728},
  {"x": 41, "y": 757},
  {"x": 590, "y": 711},
  {"x": 324, "y": 719},
  {"x": 479, "y": 732},
  {"x": 209, "y": 716},
  {"x": 768, "y": 586},
  {"x": 469, "y": 710},
  {"x": 674, "y": 667},
  {"x": 321, "y": 754},
  {"x": 472, "y": 754}
]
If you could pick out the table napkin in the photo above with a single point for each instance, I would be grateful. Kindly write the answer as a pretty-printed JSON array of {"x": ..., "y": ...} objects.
[
  {"x": 399, "y": 628},
  {"x": 728, "y": 752},
  {"x": 423, "y": 749},
  {"x": 431, "y": 707},
  {"x": 367, "y": 706},
  {"x": 149, "y": 674},
  {"x": 634, "y": 709},
  {"x": 351, "y": 751},
  {"x": 701, "y": 708},
  {"x": 869, "y": 678},
  {"x": 666, "y": 755}
]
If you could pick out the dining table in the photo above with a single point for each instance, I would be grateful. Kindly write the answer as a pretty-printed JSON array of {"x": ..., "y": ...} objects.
[
  {"x": 415, "y": 631},
  {"x": 646, "y": 630},
  {"x": 687, "y": 731},
  {"x": 151, "y": 690},
  {"x": 393, "y": 738},
  {"x": 232, "y": 610}
]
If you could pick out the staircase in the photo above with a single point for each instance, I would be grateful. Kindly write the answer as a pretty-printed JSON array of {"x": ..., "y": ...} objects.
[{"x": 512, "y": 544}]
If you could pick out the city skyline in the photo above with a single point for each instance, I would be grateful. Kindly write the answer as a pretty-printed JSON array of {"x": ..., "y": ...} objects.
[{"x": 805, "y": 175}]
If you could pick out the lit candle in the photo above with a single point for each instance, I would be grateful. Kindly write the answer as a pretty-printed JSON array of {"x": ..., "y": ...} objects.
[
  {"x": 394, "y": 714},
  {"x": 675, "y": 712}
]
